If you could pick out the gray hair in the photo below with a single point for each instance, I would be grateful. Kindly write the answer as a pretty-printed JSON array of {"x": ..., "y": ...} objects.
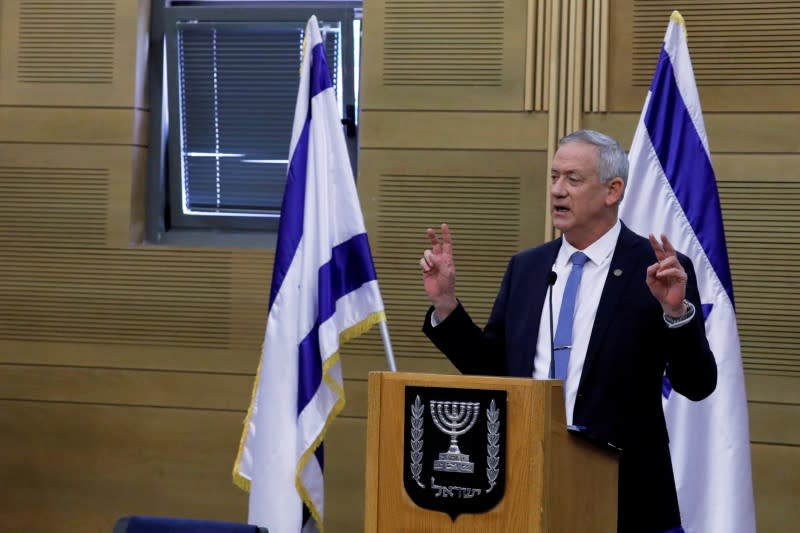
[{"x": 612, "y": 161}]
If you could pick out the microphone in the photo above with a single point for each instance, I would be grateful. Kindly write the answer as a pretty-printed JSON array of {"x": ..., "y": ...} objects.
[{"x": 551, "y": 280}]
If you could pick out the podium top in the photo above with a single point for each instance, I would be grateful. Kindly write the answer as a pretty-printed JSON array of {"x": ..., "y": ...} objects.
[{"x": 468, "y": 381}]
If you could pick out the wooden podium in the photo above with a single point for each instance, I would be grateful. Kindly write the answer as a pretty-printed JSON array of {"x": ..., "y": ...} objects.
[{"x": 555, "y": 482}]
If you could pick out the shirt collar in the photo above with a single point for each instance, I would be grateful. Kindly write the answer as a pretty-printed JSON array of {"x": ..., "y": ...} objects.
[{"x": 599, "y": 252}]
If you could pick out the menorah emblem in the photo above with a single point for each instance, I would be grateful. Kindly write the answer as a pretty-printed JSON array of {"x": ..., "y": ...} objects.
[{"x": 454, "y": 419}]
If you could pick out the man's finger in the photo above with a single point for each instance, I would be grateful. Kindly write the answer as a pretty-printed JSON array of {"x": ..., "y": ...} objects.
[
  {"x": 668, "y": 248},
  {"x": 427, "y": 256},
  {"x": 678, "y": 274},
  {"x": 657, "y": 247},
  {"x": 670, "y": 261},
  {"x": 435, "y": 244},
  {"x": 424, "y": 265},
  {"x": 448, "y": 242}
]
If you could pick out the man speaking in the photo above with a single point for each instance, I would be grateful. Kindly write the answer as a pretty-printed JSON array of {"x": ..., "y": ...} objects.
[{"x": 625, "y": 310}]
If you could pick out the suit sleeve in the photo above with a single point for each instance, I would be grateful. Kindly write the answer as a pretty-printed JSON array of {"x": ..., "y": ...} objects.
[{"x": 691, "y": 367}]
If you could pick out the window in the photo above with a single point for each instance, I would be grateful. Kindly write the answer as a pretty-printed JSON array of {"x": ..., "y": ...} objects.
[{"x": 227, "y": 82}]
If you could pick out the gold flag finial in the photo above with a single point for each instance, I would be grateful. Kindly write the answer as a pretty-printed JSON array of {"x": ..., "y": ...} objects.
[{"x": 677, "y": 18}]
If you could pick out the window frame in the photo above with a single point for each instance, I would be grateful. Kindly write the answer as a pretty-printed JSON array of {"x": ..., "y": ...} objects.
[{"x": 164, "y": 175}]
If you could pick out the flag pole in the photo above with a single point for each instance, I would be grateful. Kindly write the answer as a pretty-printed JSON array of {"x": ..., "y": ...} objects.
[{"x": 387, "y": 346}]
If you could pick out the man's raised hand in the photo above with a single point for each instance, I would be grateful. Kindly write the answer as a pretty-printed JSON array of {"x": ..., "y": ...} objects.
[
  {"x": 666, "y": 278},
  {"x": 439, "y": 272}
]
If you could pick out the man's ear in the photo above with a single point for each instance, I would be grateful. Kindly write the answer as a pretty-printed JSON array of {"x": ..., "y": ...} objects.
[{"x": 616, "y": 187}]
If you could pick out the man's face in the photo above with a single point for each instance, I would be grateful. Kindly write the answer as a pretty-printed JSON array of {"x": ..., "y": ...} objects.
[{"x": 583, "y": 209}]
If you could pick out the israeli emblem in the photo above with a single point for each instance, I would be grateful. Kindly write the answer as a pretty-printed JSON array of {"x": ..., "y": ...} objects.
[{"x": 454, "y": 449}]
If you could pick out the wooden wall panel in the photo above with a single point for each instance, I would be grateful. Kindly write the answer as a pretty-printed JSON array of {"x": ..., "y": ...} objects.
[
  {"x": 125, "y": 369},
  {"x": 357, "y": 364},
  {"x": 127, "y": 387},
  {"x": 64, "y": 195},
  {"x": 84, "y": 173},
  {"x": 88, "y": 53},
  {"x": 763, "y": 252},
  {"x": 143, "y": 357},
  {"x": 766, "y": 423},
  {"x": 734, "y": 43},
  {"x": 730, "y": 133},
  {"x": 776, "y": 483},
  {"x": 119, "y": 297},
  {"x": 345, "y": 472},
  {"x": 52, "y": 125},
  {"x": 76, "y": 467},
  {"x": 744, "y": 53},
  {"x": 442, "y": 55},
  {"x": 780, "y": 390},
  {"x": 774, "y": 403},
  {"x": 453, "y": 131}
]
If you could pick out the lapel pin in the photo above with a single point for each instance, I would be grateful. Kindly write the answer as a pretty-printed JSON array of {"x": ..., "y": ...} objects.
[{"x": 618, "y": 272}]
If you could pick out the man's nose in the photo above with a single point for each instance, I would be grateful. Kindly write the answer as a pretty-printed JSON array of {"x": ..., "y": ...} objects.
[{"x": 557, "y": 186}]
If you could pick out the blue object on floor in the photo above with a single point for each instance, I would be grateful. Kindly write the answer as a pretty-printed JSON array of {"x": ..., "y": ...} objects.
[{"x": 167, "y": 524}]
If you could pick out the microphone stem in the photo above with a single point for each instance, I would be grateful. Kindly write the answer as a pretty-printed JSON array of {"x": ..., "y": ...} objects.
[{"x": 552, "y": 372}]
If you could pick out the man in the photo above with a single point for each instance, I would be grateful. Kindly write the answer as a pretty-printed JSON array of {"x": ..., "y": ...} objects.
[{"x": 636, "y": 316}]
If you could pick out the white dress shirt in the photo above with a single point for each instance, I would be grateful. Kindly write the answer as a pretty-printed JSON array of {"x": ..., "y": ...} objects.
[{"x": 588, "y": 298}]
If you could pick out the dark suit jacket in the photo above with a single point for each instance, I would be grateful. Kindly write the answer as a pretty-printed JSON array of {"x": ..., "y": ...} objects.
[{"x": 619, "y": 395}]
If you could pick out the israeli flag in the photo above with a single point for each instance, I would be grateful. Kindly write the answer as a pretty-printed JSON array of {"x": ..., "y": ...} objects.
[
  {"x": 324, "y": 292},
  {"x": 672, "y": 190}
]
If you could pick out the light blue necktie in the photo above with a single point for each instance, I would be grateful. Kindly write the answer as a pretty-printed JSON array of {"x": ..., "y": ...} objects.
[{"x": 563, "y": 338}]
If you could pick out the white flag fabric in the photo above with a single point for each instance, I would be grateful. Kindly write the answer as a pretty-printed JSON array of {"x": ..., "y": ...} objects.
[
  {"x": 324, "y": 292},
  {"x": 672, "y": 190}
]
